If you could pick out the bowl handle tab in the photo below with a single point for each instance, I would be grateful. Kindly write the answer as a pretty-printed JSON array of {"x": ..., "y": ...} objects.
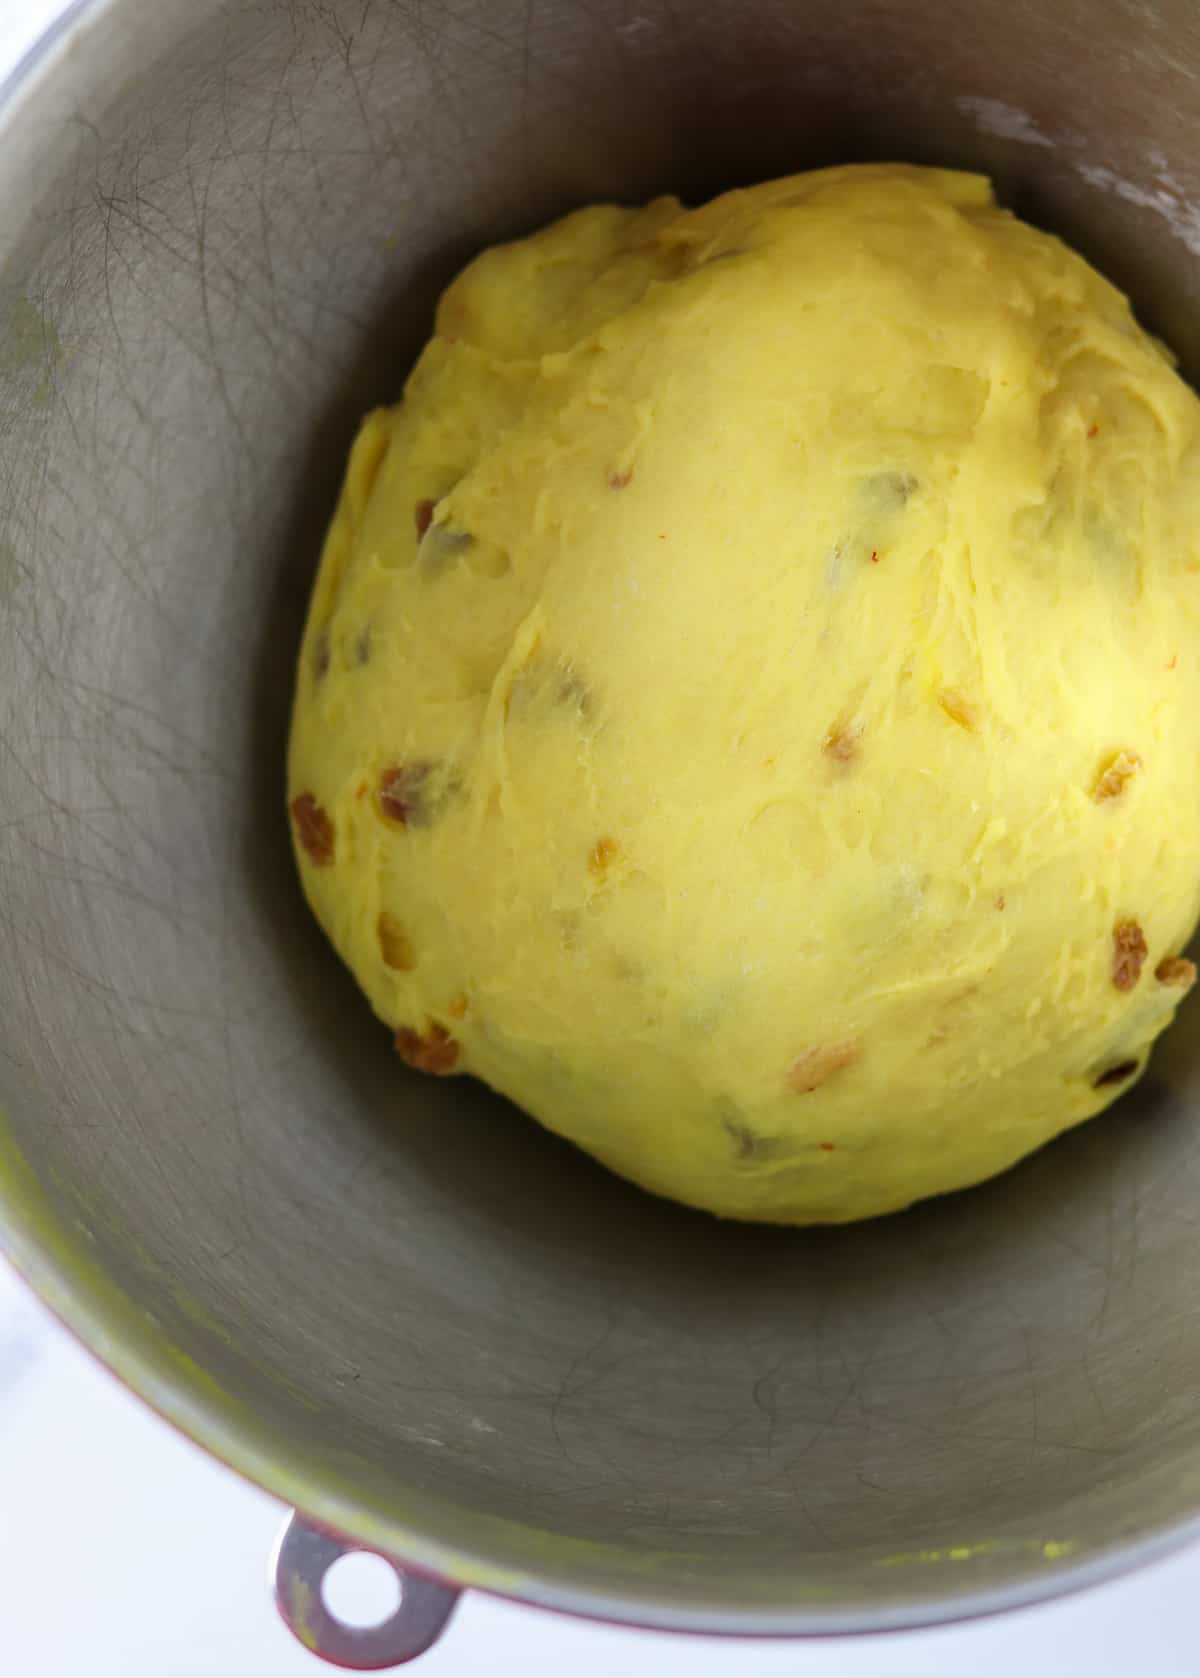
[{"x": 303, "y": 1556}]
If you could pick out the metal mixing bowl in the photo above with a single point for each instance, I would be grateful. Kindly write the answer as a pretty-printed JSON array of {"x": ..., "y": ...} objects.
[{"x": 395, "y": 1302}]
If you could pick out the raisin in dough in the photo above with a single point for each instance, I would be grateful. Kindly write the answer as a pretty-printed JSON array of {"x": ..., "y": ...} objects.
[{"x": 750, "y": 706}]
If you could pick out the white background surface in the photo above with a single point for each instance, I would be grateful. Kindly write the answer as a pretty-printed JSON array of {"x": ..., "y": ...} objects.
[{"x": 125, "y": 1553}]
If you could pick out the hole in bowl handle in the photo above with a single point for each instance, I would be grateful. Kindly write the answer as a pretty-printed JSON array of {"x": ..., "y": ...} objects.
[{"x": 303, "y": 1556}]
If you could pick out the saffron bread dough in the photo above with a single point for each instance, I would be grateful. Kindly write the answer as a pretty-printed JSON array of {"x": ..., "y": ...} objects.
[{"x": 749, "y": 712}]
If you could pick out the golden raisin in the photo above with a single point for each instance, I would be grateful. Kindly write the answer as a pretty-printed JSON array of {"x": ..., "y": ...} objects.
[
  {"x": 958, "y": 709},
  {"x": 1117, "y": 773},
  {"x": 314, "y": 830},
  {"x": 816, "y": 1066},
  {"x": 402, "y": 793},
  {"x": 603, "y": 854},
  {"x": 572, "y": 690},
  {"x": 1129, "y": 954},
  {"x": 745, "y": 1142},
  {"x": 395, "y": 946},
  {"x": 841, "y": 743},
  {"x": 457, "y": 1006},
  {"x": 1116, "y": 1074},
  {"x": 1176, "y": 970},
  {"x": 620, "y": 480},
  {"x": 435, "y": 1052}
]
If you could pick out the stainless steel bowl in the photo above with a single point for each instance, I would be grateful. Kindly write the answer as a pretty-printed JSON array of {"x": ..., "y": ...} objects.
[{"x": 396, "y": 1303}]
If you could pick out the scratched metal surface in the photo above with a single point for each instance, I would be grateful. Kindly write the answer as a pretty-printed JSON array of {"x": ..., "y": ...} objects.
[{"x": 222, "y": 230}]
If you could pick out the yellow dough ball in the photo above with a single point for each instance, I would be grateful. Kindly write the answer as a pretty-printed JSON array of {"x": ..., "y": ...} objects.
[{"x": 750, "y": 707}]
